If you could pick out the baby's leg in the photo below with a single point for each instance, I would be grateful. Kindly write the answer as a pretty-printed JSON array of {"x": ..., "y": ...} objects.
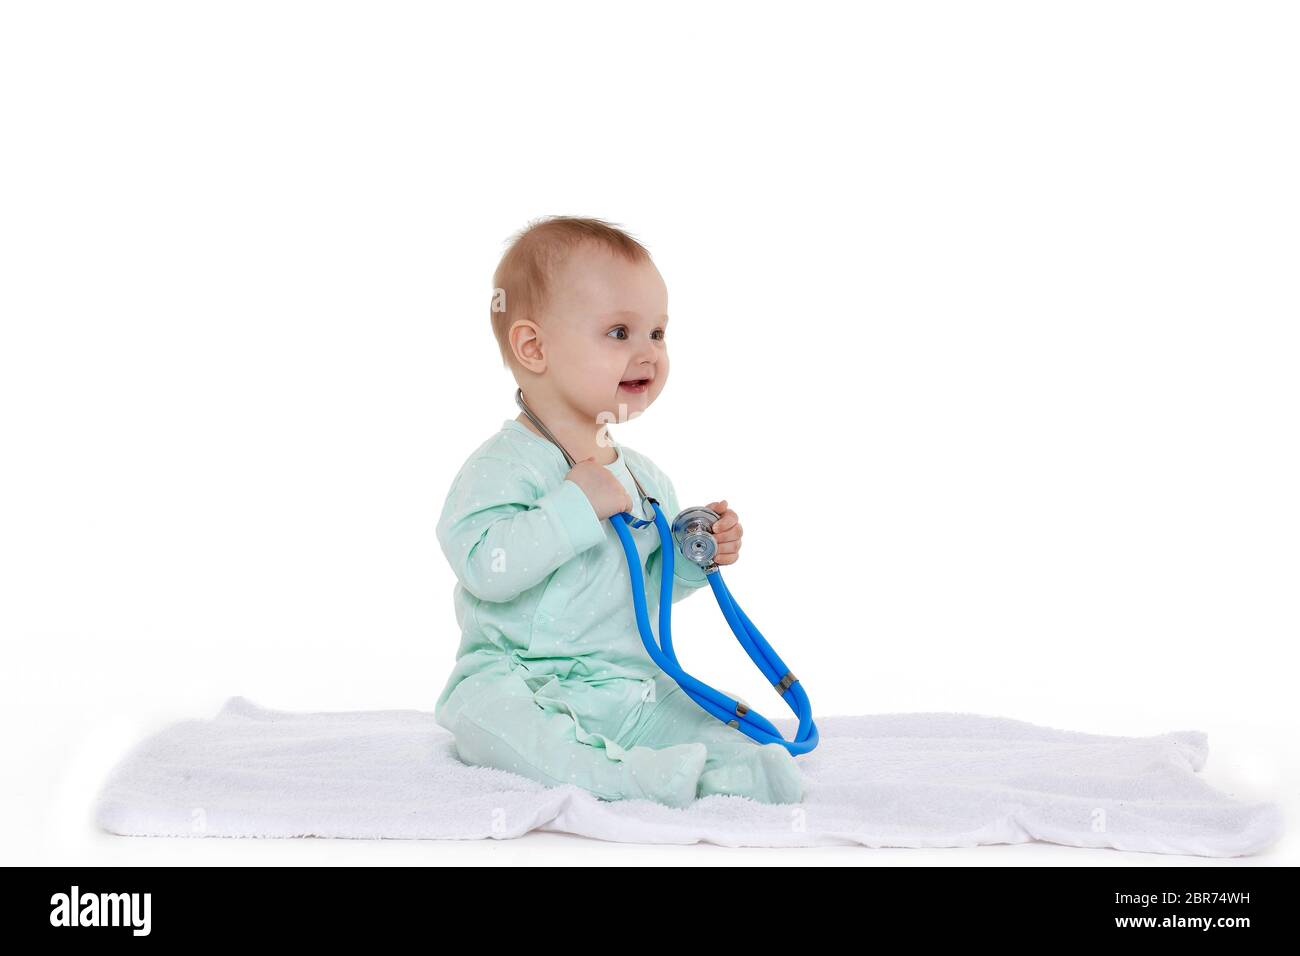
[
  {"x": 737, "y": 764},
  {"x": 497, "y": 722}
]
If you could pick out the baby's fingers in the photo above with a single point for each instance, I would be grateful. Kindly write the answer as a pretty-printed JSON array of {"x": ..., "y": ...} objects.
[
  {"x": 728, "y": 545},
  {"x": 729, "y": 535},
  {"x": 727, "y": 553},
  {"x": 727, "y": 520}
]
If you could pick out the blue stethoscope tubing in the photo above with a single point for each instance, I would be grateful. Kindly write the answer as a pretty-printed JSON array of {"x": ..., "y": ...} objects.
[
  {"x": 726, "y": 709},
  {"x": 732, "y": 712}
]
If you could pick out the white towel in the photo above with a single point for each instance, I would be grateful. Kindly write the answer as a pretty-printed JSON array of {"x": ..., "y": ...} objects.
[{"x": 896, "y": 780}]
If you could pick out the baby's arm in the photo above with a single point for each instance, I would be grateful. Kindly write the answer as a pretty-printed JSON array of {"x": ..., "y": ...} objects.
[{"x": 502, "y": 538}]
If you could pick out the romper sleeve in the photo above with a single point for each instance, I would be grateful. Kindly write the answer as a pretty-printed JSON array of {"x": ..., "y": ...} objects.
[
  {"x": 687, "y": 575},
  {"x": 503, "y": 533}
]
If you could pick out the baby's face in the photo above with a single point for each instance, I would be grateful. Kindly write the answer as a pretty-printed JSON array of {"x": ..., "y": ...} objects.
[{"x": 603, "y": 329}]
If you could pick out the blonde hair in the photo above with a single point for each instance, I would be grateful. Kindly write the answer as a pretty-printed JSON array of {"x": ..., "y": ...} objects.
[{"x": 523, "y": 277}]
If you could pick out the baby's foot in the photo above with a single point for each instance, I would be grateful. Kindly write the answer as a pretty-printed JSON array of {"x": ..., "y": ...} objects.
[
  {"x": 668, "y": 775},
  {"x": 784, "y": 778},
  {"x": 768, "y": 774}
]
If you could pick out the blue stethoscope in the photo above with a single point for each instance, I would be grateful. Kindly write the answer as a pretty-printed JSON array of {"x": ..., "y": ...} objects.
[{"x": 692, "y": 531}]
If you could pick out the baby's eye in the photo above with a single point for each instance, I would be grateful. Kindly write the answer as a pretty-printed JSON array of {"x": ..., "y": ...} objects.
[
  {"x": 621, "y": 328},
  {"x": 658, "y": 332}
]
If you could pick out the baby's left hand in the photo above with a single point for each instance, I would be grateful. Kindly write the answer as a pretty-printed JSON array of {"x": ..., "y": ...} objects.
[{"x": 726, "y": 532}]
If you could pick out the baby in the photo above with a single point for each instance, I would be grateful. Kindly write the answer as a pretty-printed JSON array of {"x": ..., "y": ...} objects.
[{"x": 552, "y": 680}]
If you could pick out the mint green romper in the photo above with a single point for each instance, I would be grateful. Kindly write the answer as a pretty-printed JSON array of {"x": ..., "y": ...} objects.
[{"x": 551, "y": 679}]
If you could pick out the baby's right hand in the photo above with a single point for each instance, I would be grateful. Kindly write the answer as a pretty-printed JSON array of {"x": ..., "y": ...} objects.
[{"x": 602, "y": 489}]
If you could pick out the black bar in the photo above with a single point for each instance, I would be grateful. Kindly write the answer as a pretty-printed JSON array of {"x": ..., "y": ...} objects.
[{"x": 1047, "y": 905}]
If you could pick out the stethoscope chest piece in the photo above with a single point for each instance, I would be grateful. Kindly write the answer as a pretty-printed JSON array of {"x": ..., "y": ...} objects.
[{"x": 693, "y": 529}]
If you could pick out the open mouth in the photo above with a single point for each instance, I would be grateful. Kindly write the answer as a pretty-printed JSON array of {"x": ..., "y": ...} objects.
[{"x": 635, "y": 384}]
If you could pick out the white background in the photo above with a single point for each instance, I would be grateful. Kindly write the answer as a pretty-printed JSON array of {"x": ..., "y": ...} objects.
[{"x": 984, "y": 319}]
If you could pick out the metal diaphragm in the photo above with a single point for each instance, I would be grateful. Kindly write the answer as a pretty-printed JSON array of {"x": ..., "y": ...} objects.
[{"x": 693, "y": 529}]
